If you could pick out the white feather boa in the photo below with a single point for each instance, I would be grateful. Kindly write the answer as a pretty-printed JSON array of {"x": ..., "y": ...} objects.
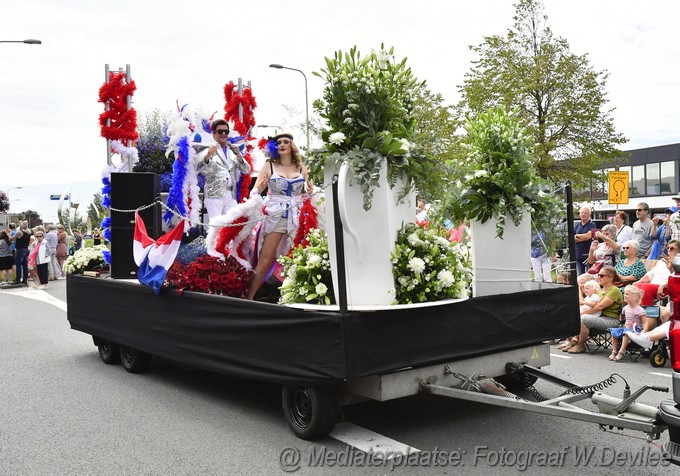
[{"x": 252, "y": 211}]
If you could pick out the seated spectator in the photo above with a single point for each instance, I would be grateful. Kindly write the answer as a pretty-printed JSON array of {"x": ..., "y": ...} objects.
[
  {"x": 592, "y": 291},
  {"x": 658, "y": 276},
  {"x": 631, "y": 268},
  {"x": 634, "y": 315},
  {"x": 601, "y": 251},
  {"x": 609, "y": 307}
]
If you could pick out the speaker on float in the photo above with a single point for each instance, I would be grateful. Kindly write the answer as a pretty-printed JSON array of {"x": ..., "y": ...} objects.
[{"x": 129, "y": 191}]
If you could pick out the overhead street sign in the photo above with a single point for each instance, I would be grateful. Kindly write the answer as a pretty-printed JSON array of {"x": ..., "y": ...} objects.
[
  {"x": 618, "y": 187},
  {"x": 58, "y": 197}
]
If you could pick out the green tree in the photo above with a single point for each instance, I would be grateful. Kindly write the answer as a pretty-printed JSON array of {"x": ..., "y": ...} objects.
[
  {"x": 435, "y": 135},
  {"x": 32, "y": 217},
  {"x": 558, "y": 95}
]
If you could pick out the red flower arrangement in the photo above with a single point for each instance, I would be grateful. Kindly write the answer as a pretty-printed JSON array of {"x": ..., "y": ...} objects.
[{"x": 211, "y": 275}]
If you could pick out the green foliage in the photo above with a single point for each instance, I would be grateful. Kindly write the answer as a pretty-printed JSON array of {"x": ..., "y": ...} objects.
[
  {"x": 559, "y": 97},
  {"x": 500, "y": 179},
  {"x": 368, "y": 103},
  {"x": 428, "y": 267}
]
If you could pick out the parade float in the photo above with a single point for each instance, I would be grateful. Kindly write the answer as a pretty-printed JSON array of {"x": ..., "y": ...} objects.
[{"x": 372, "y": 306}]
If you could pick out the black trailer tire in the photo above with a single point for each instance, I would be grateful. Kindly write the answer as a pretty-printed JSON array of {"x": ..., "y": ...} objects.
[
  {"x": 108, "y": 351},
  {"x": 311, "y": 412},
  {"x": 658, "y": 358},
  {"x": 133, "y": 360}
]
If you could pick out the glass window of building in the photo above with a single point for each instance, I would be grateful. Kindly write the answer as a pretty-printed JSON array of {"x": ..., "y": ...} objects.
[
  {"x": 653, "y": 179},
  {"x": 638, "y": 181},
  {"x": 668, "y": 177}
]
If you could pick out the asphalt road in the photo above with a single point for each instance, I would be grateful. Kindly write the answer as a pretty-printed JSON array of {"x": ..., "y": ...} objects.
[{"x": 64, "y": 412}]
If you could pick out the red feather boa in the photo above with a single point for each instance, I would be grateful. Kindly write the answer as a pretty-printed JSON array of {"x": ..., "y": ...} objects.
[
  {"x": 308, "y": 220},
  {"x": 227, "y": 234},
  {"x": 122, "y": 122},
  {"x": 231, "y": 107}
]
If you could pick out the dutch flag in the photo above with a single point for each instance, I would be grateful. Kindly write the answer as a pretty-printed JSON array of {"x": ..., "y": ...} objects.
[{"x": 154, "y": 257}]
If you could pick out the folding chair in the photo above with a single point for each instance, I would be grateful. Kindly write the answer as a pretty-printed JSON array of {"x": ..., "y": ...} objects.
[{"x": 598, "y": 340}]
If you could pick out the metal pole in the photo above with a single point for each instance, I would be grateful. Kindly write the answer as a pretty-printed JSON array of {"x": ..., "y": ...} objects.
[
  {"x": 279, "y": 66},
  {"x": 108, "y": 121},
  {"x": 128, "y": 102},
  {"x": 570, "y": 234},
  {"x": 341, "y": 298},
  {"x": 240, "y": 106}
]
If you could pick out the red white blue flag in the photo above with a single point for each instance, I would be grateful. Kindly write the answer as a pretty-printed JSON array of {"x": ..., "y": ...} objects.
[{"x": 154, "y": 257}]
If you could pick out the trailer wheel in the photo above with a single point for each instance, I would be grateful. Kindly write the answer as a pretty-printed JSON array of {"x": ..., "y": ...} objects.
[
  {"x": 108, "y": 351},
  {"x": 657, "y": 358},
  {"x": 311, "y": 412},
  {"x": 134, "y": 361}
]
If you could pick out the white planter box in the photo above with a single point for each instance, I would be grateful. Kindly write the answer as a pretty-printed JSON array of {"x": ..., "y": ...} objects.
[
  {"x": 369, "y": 236},
  {"x": 501, "y": 266}
]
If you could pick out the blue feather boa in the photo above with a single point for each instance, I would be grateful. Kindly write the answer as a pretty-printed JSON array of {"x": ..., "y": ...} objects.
[{"x": 179, "y": 174}]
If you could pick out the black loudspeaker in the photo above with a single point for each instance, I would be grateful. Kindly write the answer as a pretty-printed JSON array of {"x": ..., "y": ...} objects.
[{"x": 130, "y": 191}]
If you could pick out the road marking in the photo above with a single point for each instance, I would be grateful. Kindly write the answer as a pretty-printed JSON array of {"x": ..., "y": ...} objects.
[
  {"x": 38, "y": 295},
  {"x": 369, "y": 441},
  {"x": 660, "y": 374},
  {"x": 560, "y": 356}
]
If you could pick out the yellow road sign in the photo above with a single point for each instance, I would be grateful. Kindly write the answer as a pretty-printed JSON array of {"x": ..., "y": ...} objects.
[{"x": 618, "y": 187}]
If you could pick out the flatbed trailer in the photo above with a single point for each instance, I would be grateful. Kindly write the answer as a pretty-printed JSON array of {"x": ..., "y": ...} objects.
[{"x": 325, "y": 358}]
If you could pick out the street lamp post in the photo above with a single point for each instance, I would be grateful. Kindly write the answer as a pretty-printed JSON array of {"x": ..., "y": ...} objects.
[
  {"x": 28, "y": 42},
  {"x": 279, "y": 66},
  {"x": 276, "y": 128}
]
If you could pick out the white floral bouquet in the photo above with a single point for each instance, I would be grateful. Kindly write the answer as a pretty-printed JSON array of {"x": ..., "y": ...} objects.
[
  {"x": 428, "y": 267},
  {"x": 86, "y": 259},
  {"x": 307, "y": 272}
]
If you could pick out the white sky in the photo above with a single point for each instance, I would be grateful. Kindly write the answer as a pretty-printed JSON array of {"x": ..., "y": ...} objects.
[{"x": 187, "y": 51}]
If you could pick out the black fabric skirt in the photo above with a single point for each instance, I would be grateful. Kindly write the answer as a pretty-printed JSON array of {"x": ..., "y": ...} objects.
[{"x": 6, "y": 262}]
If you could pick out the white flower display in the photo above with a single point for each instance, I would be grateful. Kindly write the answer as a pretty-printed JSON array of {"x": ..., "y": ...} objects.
[
  {"x": 435, "y": 269},
  {"x": 85, "y": 259},
  {"x": 313, "y": 261},
  {"x": 307, "y": 272},
  {"x": 336, "y": 138},
  {"x": 417, "y": 265},
  {"x": 321, "y": 289},
  {"x": 481, "y": 173},
  {"x": 445, "y": 278}
]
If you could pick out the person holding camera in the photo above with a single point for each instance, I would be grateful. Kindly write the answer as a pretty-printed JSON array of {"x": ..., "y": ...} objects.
[
  {"x": 644, "y": 229},
  {"x": 601, "y": 252}
]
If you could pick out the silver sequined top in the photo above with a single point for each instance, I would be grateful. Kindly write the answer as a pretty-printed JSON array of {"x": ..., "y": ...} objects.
[{"x": 221, "y": 172}]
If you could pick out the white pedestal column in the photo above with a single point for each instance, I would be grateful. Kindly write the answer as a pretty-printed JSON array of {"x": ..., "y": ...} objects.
[
  {"x": 369, "y": 236},
  {"x": 501, "y": 266}
]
